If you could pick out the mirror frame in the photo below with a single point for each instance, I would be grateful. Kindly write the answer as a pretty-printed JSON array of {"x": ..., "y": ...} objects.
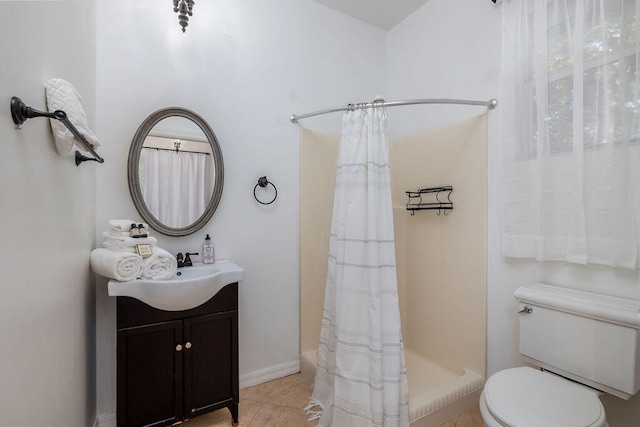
[{"x": 134, "y": 178}]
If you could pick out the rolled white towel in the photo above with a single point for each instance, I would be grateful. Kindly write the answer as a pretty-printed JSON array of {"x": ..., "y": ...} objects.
[
  {"x": 125, "y": 243},
  {"x": 159, "y": 266},
  {"x": 122, "y": 266},
  {"x": 124, "y": 224}
]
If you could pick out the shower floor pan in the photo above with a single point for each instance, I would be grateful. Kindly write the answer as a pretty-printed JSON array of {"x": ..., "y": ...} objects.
[{"x": 435, "y": 394}]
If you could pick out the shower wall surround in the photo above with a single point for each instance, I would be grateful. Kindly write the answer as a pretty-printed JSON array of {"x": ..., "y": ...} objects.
[{"x": 441, "y": 258}]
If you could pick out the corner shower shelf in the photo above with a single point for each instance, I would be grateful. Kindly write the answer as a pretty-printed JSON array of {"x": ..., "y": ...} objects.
[{"x": 434, "y": 199}]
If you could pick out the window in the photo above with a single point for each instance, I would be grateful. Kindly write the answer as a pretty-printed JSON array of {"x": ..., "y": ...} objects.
[
  {"x": 570, "y": 158},
  {"x": 608, "y": 72}
]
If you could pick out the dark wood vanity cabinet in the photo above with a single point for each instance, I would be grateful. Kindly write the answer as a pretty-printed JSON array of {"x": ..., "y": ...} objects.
[{"x": 175, "y": 365}]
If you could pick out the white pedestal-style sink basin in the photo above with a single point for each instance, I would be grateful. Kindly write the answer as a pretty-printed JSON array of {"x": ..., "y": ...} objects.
[{"x": 188, "y": 288}]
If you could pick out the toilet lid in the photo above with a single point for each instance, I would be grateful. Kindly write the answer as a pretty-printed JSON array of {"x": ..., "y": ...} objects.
[{"x": 529, "y": 397}]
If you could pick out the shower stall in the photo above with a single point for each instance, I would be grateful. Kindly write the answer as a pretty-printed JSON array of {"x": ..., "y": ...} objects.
[{"x": 440, "y": 258}]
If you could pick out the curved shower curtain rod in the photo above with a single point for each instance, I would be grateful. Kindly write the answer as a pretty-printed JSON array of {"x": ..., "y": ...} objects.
[{"x": 491, "y": 104}]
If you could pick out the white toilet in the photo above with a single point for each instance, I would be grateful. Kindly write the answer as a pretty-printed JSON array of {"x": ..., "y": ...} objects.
[{"x": 584, "y": 345}]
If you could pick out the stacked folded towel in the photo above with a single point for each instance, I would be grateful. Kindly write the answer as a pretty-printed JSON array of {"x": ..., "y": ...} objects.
[
  {"x": 123, "y": 242},
  {"x": 119, "y": 258},
  {"x": 121, "y": 225}
]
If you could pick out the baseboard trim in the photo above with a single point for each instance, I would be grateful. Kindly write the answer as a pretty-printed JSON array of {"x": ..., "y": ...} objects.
[
  {"x": 268, "y": 374},
  {"x": 106, "y": 420}
]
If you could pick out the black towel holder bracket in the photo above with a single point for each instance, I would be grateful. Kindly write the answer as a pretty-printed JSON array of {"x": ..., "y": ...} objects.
[
  {"x": 20, "y": 112},
  {"x": 263, "y": 182},
  {"x": 435, "y": 199}
]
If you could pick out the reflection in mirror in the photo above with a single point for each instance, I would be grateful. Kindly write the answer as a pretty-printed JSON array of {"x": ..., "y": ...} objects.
[{"x": 175, "y": 171}]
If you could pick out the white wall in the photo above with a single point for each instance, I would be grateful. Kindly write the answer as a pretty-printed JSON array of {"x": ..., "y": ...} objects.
[
  {"x": 451, "y": 49},
  {"x": 47, "y": 357},
  {"x": 245, "y": 67},
  {"x": 446, "y": 49}
]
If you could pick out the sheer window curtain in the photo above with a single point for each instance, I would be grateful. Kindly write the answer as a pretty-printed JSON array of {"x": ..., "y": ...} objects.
[
  {"x": 570, "y": 153},
  {"x": 174, "y": 185}
]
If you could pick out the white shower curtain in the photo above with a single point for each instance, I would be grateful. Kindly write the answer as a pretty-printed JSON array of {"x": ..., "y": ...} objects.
[
  {"x": 174, "y": 185},
  {"x": 361, "y": 377}
]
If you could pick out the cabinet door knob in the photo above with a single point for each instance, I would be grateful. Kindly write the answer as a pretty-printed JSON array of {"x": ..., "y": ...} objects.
[
  {"x": 187, "y": 345},
  {"x": 179, "y": 347}
]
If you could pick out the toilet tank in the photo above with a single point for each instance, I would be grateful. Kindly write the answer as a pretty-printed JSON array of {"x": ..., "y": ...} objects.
[{"x": 589, "y": 338}]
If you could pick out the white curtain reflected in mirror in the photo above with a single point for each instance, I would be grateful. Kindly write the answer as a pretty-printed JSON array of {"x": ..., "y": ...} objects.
[{"x": 176, "y": 179}]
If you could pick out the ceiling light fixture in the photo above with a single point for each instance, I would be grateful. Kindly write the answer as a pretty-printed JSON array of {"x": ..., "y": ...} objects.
[{"x": 184, "y": 9}]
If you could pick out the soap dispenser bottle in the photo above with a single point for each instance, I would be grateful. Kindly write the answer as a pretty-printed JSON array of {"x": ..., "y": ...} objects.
[{"x": 208, "y": 254}]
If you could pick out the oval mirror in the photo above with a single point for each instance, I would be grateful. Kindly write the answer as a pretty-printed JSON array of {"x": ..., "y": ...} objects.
[{"x": 175, "y": 171}]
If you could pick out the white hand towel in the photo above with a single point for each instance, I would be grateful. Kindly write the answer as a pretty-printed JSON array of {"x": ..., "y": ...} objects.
[
  {"x": 118, "y": 234},
  {"x": 122, "y": 236},
  {"x": 124, "y": 224},
  {"x": 61, "y": 95},
  {"x": 122, "y": 266},
  {"x": 159, "y": 266},
  {"x": 122, "y": 243}
]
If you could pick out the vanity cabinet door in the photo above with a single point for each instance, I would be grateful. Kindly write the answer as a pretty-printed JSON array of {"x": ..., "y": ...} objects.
[
  {"x": 175, "y": 365},
  {"x": 211, "y": 363},
  {"x": 150, "y": 381}
]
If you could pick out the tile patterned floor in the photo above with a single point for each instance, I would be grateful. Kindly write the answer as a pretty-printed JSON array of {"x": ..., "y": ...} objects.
[
  {"x": 471, "y": 418},
  {"x": 280, "y": 403}
]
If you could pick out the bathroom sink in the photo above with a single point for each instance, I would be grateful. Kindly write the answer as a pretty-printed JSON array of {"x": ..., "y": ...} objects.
[{"x": 188, "y": 288}]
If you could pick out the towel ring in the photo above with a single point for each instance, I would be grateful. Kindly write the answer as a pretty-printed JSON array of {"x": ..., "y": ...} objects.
[{"x": 263, "y": 182}]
